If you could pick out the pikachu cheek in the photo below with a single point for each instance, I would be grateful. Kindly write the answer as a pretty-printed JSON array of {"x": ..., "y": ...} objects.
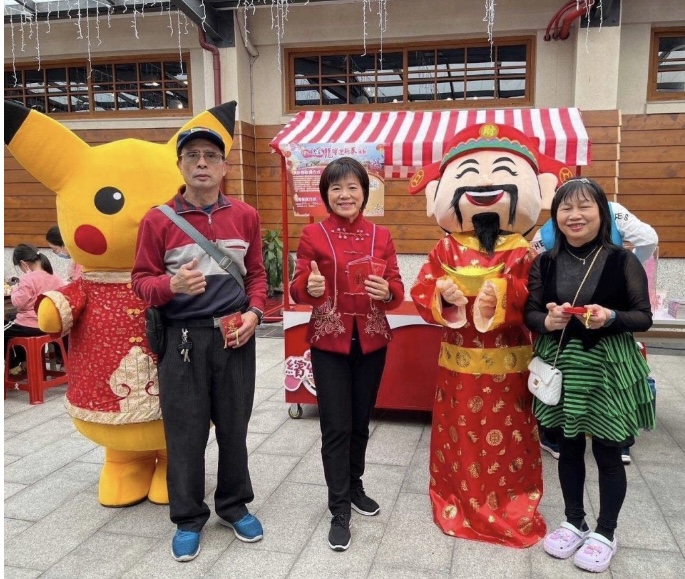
[{"x": 90, "y": 239}]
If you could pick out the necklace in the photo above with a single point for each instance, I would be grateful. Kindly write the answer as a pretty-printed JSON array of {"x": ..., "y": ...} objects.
[{"x": 581, "y": 259}]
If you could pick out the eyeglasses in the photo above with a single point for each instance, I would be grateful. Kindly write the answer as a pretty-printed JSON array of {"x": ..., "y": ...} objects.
[{"x": 211, "y": 157}]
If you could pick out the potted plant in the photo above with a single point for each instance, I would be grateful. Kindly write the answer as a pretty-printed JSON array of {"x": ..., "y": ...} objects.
[{"x": 272, "y": 252}]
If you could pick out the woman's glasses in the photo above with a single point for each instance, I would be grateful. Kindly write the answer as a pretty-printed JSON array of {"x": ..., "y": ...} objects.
[{"x": 210, "y": 157}]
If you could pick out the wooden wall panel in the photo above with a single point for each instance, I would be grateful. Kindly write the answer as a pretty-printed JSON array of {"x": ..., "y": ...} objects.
[
  {"x": 652, "y": 176},
  {"x": 638, "y": 157}
]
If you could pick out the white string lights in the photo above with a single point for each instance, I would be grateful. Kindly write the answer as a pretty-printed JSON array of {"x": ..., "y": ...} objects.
[{"x": 490, "y": 19}]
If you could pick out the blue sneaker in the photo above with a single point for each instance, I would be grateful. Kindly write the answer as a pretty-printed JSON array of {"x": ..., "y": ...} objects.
[
  {"x": 625, "y": 455},
  {"x": 185, "y": 545},
  {"x": 549, "y": 446},
  {"x": 247, "y": 529}
]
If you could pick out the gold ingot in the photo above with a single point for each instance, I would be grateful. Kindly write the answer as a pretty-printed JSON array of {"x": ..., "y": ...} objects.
[
  {"x": 525, "y": 525},
  {"x": 469, "y": 279},
  {"x": 449, "y": 512},
  {"x": 494, "y": 437}
]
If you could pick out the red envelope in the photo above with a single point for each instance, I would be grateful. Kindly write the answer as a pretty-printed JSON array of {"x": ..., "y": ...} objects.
[
  {"x": 229, "y": 324},
  {"x": 357, "y": 272},
  {"x": 378, "y": 266}
]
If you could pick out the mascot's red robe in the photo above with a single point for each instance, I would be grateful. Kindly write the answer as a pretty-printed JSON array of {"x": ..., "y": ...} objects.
[{"x": 485, "y": 466}]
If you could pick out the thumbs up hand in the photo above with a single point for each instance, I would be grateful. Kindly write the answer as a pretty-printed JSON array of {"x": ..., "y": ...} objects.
[
  {"x": 189, "y": 280},
  {"x": 316, "y": 283}
]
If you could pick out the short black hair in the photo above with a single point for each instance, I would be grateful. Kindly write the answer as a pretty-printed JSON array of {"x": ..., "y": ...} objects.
[
  {"x": 582, "y": 188},
  {"x": 336, "y": 171},
  {"x": 54, "y": 237}
]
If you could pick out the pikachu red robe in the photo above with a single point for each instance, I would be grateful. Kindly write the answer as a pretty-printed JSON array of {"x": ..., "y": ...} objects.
[{"x": 485, "y": 466}]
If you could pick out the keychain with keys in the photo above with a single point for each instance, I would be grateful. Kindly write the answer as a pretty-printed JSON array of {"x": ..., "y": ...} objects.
[{"x": 185, "y": 346}]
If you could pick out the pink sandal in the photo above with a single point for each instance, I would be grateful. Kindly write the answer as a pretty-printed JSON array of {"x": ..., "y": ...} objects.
[
  {"x": 565, "y": 541},
  {"x": 595, "y": 555}
]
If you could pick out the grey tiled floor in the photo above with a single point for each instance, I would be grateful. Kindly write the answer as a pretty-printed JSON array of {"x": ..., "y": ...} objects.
[{"x": 54, "y": 526}]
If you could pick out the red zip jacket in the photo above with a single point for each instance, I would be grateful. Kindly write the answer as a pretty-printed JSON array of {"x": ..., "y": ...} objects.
[
  {"x": 332, "y": 244},
  {"x": 162, "y": 248}
]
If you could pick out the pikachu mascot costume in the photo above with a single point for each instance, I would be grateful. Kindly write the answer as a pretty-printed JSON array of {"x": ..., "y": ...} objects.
[{"x": 102, "y": 194}]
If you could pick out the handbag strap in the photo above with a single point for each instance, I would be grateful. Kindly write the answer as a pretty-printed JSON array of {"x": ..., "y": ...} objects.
[
  {"x": 587, "y": 273},
  {"x": 225, "y": 262}
]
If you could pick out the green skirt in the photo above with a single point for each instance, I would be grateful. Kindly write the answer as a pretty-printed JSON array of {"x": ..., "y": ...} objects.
[{"x": 605, "y": 390}]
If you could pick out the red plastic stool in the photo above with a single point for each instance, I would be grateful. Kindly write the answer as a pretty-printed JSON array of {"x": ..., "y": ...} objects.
[{"x": 39, "y": 374}]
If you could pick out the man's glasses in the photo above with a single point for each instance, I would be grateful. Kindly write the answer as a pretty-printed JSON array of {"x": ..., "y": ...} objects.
[{"x": 211, "y": 157}]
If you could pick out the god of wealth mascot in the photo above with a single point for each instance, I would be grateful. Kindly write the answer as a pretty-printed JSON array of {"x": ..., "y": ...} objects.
[
  {"x": 102, "y": 194},
  {"x": 485, "y": 465}
]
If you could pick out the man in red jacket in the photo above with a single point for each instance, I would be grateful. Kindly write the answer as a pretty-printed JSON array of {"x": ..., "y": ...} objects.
[{"x": 207, "y": 372}]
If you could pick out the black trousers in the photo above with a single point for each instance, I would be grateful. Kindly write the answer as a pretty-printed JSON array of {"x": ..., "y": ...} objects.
[
  {"x": 346, "y": 388},
  {"x": 612, "y": 479},
  {"x": 18, "y": 355},
  {"x": 217, "y": 385}
]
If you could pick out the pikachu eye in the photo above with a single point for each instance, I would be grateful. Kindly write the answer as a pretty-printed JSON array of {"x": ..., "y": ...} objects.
[{"x": 109, "y": 200}]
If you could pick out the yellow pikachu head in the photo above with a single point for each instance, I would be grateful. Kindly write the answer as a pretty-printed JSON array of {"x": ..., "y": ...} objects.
[{"x": 102, "y": 191}]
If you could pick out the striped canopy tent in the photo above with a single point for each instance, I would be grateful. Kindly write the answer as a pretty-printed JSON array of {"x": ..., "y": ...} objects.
[{"x": 414, "y": 139}]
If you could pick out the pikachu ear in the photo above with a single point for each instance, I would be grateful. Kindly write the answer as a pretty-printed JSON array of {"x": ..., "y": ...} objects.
[
  {"x": 44, "y": 147},
  {"x": 220, "y": 119}
]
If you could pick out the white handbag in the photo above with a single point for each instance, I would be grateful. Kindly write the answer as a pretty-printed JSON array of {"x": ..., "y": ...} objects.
[{"x": 545, "y": 380}]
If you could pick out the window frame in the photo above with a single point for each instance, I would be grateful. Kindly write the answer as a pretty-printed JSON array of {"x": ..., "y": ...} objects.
[
  {"x": 91, "y": 91},
  {"x": 653, "y": 95},
  {"x": 527, "y": 101}
]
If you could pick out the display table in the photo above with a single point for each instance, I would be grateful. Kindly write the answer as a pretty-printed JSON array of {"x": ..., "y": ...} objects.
[{"x": 411, "y": 368}]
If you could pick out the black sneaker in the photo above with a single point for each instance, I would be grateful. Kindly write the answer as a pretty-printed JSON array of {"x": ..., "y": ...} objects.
[
  {"x": 363, "y": 504},
  {"x": 339, "y": 536}
]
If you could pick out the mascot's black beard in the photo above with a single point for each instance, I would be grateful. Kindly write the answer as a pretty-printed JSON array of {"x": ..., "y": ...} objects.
[{"x": 486, "y": 228}]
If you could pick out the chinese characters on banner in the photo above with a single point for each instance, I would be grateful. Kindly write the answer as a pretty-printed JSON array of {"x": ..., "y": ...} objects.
[{"x": 306, "y": 162}]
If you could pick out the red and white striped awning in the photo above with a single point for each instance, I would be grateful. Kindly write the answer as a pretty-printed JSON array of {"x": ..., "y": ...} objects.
[{"x": 414, "y": 139}]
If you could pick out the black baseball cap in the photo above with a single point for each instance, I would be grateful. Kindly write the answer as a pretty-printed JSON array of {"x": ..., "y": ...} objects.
[{"x": 200, "y": 133}]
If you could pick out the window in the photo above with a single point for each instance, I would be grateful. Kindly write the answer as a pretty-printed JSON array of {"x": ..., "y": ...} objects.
[
  {"x": 470, "y": 73},
  {"x": 667, "y": 65},
  {"x": 150, "y": 86}
]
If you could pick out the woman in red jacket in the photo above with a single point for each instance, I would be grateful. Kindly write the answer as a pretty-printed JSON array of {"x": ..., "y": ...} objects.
[{"x": 348, "y": 331}]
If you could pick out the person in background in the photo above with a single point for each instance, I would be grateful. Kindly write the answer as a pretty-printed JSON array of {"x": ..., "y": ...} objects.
[
  {"x": 207, "y": 372},
  {"x": 605, "y": 390},
  {"x": 36, "y": 278},
  {"x": 54, "y": 239},
  {"x": 625, "y": 227},
  {"x": 348, "y": 332}
]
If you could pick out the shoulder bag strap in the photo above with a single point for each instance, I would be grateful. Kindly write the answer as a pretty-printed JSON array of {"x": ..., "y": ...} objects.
[
  {"x": 225, "y": 262},
  {"x": 587, "y": 273}
]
